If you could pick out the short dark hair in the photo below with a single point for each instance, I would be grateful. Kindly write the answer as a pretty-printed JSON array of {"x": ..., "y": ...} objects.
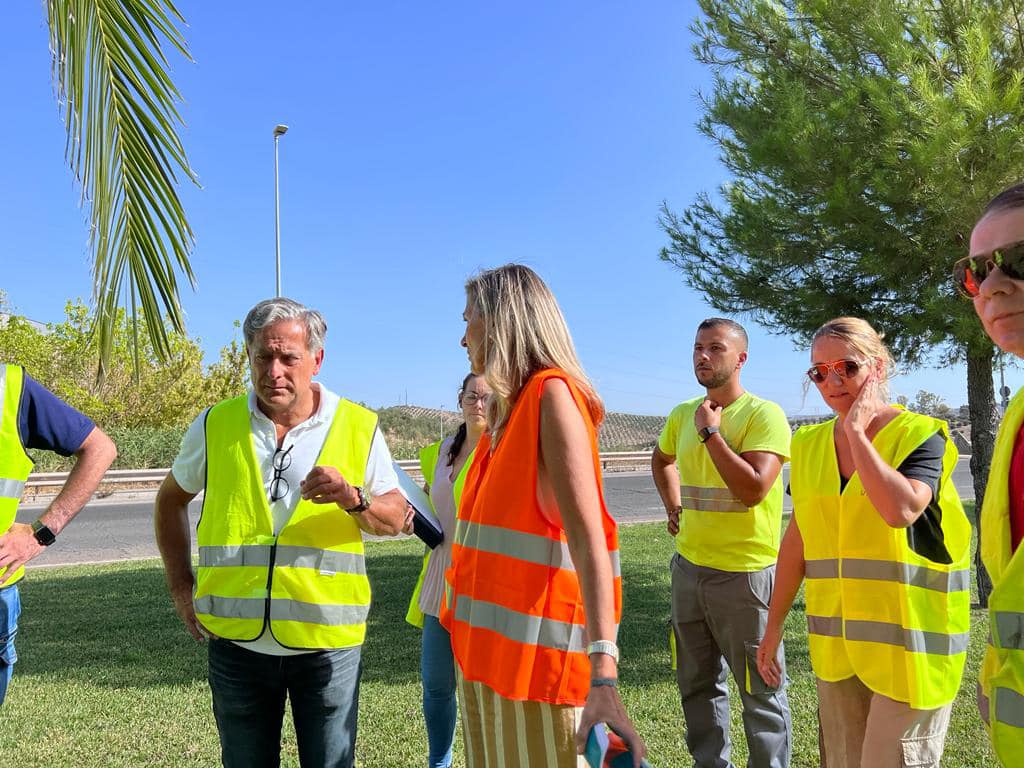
[
  {"x": 1012, "y": 197},
  {"x": 732, "y": 325}
]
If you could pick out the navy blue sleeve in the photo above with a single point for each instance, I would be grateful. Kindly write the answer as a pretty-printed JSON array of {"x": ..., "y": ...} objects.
[{"x": 48, "y": 423}]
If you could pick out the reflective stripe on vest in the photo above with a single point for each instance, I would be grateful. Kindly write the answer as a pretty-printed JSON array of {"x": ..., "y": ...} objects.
[
  {"x": 248, "y": 579},
  {"x": 1009, "y": 707},
  {"x": 281, "y": 610},
  {"x": 913, "y": 640},
  {"x": 895, "y": 619},
  {"x": 11, "y": 488},
  {"x": 1007, "y": 630},
  {"x": 258, "y": 555},
  {"x": 887, "y": 570},
  {"x": 14, "y": 462},
  {"x": 520, "y": 627},
  {"x": 705, "y": 499},
  {"x": 826, "y": 626},
  {"x": 1001, "y": 678},
  {"x": 528, "y": 547}
]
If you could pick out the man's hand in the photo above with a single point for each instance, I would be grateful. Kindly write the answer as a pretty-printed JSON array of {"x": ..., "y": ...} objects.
[
  {"x": 410, "y": 513},
  {"x": 325, "y": 485},
  {"x": 181, "y": 594},
  {"x": 17, "y": 547},
  {"x": 673, "y": 519},
  {"x": 708, "y": 414}
]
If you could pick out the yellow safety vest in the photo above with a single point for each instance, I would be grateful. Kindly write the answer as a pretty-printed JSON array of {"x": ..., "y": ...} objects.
[
  {"x": 14, "y": 462},
  {"x": 716, "y": 529},
  {"x": 309, "y": 582},
  {"x": 428, "y": 464},
  {"x": 875, "y": 608},
  {"x": 1001, "y": 681}
]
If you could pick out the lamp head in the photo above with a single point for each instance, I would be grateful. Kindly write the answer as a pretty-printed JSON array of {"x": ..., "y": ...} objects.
[{"x": 280, "y": 130}]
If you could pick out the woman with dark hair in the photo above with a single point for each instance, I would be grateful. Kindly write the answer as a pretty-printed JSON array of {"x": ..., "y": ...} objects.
[
  {"x": 533, "y": 598},
  {"x": 444, "y": 465},
  {"x": 993, "y": 277},
  {"x": 880, "y": 536}
]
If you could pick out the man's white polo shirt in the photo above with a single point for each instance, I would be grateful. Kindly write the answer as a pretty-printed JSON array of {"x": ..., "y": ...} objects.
[{"x": 305, "y": 441}]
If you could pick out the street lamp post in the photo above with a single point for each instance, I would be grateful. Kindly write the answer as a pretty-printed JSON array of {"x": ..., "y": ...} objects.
[{"x": 279, "y": 131}]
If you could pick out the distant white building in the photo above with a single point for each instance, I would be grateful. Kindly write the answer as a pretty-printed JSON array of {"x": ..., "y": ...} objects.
[{"x": 4, "y": 316}]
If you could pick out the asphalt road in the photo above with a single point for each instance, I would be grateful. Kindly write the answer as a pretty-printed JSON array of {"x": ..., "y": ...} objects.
[{"x": 123, "y": 530}]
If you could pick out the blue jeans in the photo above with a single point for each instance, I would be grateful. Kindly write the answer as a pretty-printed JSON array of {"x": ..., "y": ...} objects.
[
  {"x": 249, "y": 692},
  {"x": 10, "y": 609},
  {"x": 437, "y": 666}
]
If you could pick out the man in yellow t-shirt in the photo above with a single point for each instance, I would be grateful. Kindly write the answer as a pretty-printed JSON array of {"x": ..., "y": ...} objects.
[{"x": 718, "y": 467}]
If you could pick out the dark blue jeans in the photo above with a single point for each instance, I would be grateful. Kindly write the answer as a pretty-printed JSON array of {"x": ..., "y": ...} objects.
[
  {"x": 10, "y": 609},
  {"x": 249, "y": 691}
]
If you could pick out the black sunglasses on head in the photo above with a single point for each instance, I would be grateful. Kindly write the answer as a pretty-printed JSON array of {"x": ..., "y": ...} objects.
[{"x": 970, "y": 272}]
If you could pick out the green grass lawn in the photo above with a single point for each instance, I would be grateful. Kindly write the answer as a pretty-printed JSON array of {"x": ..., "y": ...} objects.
[{"x": 107, "y": 676}]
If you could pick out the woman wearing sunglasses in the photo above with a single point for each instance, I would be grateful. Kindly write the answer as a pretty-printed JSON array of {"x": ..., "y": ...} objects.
[
  {"x": 993, "y": 276},
  {"x": 444, "y": 465},
  {"x": 881, "y": 538}
]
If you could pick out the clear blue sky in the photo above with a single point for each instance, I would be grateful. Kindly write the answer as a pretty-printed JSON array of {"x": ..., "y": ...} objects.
[{"x": 426, "y": 141}]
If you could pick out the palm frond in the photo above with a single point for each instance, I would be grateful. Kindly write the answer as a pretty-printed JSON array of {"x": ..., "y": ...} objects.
[{"x": 119, "y": 107}]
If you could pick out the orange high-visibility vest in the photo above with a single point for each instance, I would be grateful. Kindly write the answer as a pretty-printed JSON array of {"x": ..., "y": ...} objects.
[{"x": 513, "y": 603}]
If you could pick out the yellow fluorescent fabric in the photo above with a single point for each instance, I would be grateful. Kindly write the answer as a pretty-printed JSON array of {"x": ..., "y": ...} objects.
[
  {"x": 1001, "y": 683},
  {"x": 15, "y": 464},
  {"x": 428, "y": 465},
  {"x": 875, "y": 608},
  {"x": 716, "y": 529},
  {"x": 309, "y": 582}
]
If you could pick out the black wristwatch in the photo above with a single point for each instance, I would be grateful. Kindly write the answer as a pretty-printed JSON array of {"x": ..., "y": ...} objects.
[
  {"x": 43, "y": 534},
  {"x": 706, "y": 433},
  {"x": 364, "y": 502}
]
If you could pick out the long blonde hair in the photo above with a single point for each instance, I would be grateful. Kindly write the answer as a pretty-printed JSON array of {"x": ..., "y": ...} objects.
[
  {"x": 524, "y": 332},
  {"x": 862, "y": 337}
]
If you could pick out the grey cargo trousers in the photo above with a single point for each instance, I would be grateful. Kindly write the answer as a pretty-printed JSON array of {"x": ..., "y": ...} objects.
[{"x": 718, "y": 618}]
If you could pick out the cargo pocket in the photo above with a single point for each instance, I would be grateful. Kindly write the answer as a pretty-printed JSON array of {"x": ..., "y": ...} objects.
[
  {"x": 923, "y": 751},
  {"x": 754, "y": 683}
]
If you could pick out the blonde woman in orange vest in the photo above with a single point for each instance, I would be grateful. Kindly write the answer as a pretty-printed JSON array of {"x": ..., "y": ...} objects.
[
  {"x": 533, "y": 597},
  {"x": 880, "y": 536}
]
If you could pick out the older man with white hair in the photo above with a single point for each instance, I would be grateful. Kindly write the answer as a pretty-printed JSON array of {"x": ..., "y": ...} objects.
[{"x": 292, "y": 475}]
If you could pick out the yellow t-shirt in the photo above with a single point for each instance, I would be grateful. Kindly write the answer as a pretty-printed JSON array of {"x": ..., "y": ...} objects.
[{"x": 716, "y": 529}]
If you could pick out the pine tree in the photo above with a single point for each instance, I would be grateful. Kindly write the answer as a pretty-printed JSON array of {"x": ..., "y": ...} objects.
[{"x": 863, "y": 139}]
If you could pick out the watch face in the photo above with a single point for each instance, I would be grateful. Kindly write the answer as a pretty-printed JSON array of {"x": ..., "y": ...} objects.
[{"x": 43, "y": 534}]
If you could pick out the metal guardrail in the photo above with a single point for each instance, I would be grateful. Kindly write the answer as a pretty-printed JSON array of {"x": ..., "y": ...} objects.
[{"x": 119, "y": 480}]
